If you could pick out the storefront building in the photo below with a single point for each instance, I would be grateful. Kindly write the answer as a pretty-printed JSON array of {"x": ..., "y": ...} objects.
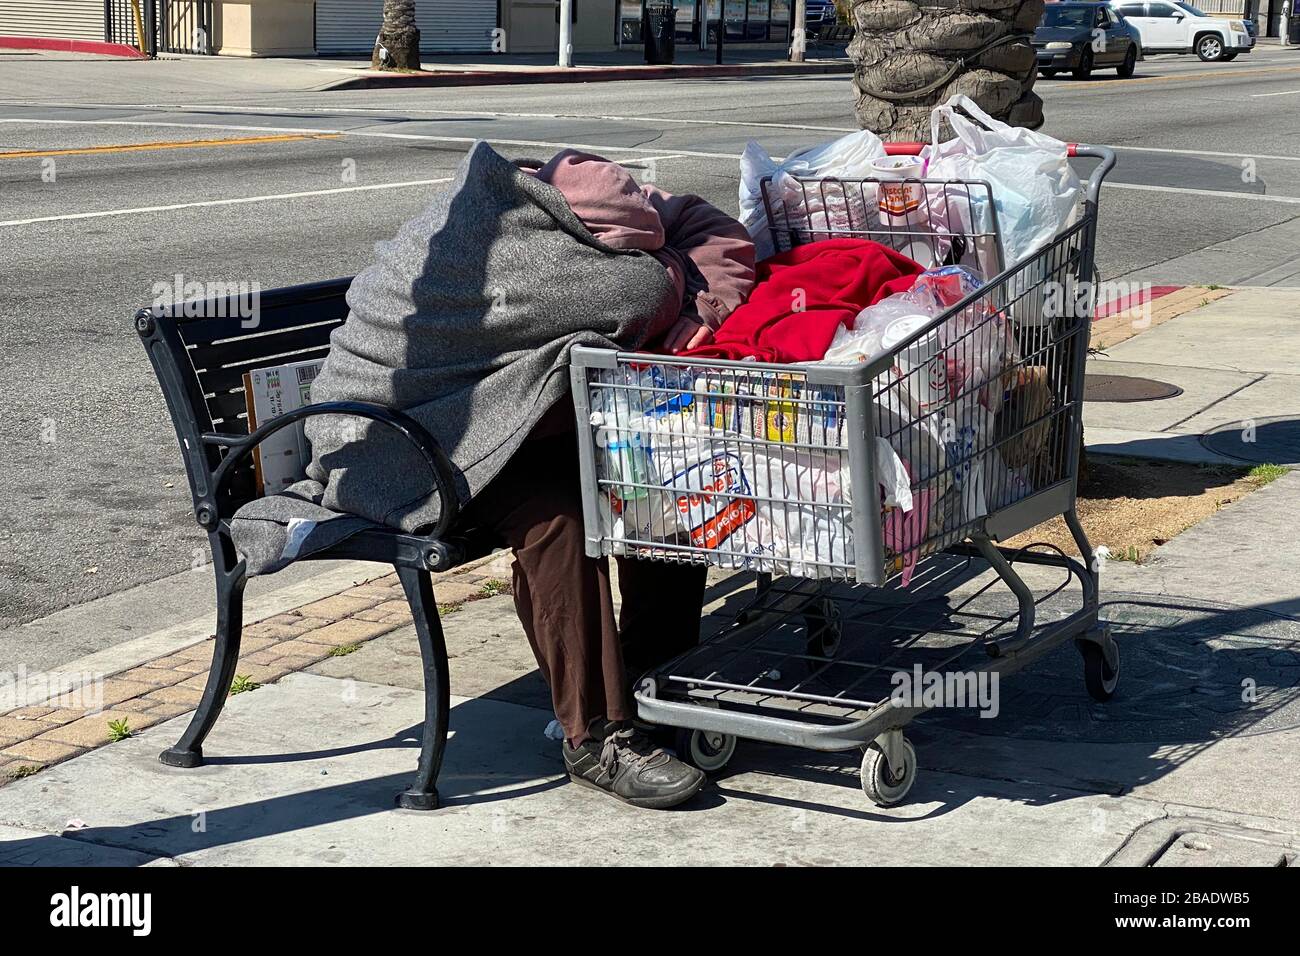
[{"x": 349, "y": 27}]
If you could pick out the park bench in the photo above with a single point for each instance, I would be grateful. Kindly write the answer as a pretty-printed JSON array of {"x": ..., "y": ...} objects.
[{"x": 200, "y": 352}]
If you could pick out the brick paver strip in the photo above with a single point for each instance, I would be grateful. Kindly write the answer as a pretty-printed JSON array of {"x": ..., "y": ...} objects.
[
  {"x": 175, "y": 695},
  {"x": 42, "y": 751},
  {"x": 46, "y": 732},
  {"x": 337, "y": 607},
  {"x": 1114, "y": 329},
  {"x": 27, "y": 713},
  {"x": 92, "y": 730},
  {"x": 155, "y": 676},
  {"x": 347, "y": 632}
]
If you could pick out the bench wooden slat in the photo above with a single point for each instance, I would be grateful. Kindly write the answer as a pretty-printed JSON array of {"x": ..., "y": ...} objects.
[
  {"x": 277, "y": 310},
  {"x": 227, "y": 407},
  {"x": 223, "y": 379}
]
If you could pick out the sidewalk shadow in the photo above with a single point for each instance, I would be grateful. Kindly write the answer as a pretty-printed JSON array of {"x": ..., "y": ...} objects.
[{"x": 1193, "y": 673}]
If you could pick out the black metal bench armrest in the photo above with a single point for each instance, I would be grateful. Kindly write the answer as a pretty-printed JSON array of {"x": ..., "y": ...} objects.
[{"x": 439, "y": 464}]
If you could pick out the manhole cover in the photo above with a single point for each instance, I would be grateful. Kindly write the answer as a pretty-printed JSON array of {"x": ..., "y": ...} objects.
[
  {"x": 1192, "y": 841},
  {"x": 1126, "y": 388},
  {"x": 1272, "y": 440}
]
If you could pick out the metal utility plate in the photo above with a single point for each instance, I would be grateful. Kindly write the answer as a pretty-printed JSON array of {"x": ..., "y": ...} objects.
[{"x": 1126, "y": 388}]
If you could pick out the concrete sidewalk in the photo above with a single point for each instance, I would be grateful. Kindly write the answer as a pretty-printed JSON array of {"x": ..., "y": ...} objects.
[
  {"x": 1236, "y": 359},
  {"x": 1192, "y": 763},
  {"x": 304, "y": 770},
  {"x": 66, "y": 76},
  {"x": 626, "y": 64}
]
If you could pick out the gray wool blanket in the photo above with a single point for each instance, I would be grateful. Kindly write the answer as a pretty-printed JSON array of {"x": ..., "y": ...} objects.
[{"x": 464, "y": 321}]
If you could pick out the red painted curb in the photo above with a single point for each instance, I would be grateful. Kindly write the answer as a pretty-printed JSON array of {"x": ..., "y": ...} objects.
[
  {"x": 578, "y": 75},
  {"x": 1132, "y": 301},
  {"x": 60, "y": 45}
]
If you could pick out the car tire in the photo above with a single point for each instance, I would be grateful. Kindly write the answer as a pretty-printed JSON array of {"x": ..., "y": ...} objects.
[
  {"x": 1084, "y": 69},
  {"x": 1125, "y": 70},
  {"x": 1210, "y": 48}
]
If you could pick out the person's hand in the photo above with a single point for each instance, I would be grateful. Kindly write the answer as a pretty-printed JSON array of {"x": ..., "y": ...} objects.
[{"x": 687, "y": 334}]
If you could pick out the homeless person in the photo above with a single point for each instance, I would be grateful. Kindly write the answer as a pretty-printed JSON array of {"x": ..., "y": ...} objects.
[{"x": 464, "y": 321}]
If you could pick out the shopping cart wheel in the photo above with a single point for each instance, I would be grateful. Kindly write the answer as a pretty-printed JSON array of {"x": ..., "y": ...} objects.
[
  {"x": 706, "y": 749},
  {"x": 825, "y": 626},
  {"x": 885, "y": 785},
  {"x": 1100, "y": 667}
]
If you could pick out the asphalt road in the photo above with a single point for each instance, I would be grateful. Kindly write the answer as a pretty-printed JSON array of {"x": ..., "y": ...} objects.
[{"x": 92, "y": 496}]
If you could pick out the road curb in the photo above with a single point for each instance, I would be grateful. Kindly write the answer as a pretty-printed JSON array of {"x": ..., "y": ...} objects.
[
  {"x": 371, "y": 81},
  {"x": 163, "y": 675},
  {"x": 1130, "y": 318},
  {"x": 57, "y": 45}
]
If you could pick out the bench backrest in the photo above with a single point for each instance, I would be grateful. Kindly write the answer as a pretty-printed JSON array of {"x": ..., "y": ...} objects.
[{"x": 201, "y": 349}]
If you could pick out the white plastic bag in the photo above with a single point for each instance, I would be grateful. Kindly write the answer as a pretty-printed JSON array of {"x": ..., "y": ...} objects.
[
  {"x": 803, "y": 527},
  {"x": 849, "y": 157},
  {"x": 1035, "y": 191},
  {"x": 879, "y": 328}
]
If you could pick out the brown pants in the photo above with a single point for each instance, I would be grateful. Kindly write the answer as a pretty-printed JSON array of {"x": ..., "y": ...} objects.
[{"x": 564, "y": 598}]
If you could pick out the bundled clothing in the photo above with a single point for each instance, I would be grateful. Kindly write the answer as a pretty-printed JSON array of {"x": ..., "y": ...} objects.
[
  {"x": 465, "y": 321},
  {"x": 804, "y": 296},
  {"x": 708, "y": 255}
]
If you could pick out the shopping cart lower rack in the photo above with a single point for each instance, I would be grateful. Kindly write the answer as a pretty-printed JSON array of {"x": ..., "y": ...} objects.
[{"x": 867, "y": 499}]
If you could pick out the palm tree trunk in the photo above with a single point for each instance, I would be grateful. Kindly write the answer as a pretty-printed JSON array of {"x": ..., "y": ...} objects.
[
  {"x": 906, "y": 61},
  {"x": 398, "y": 45}
]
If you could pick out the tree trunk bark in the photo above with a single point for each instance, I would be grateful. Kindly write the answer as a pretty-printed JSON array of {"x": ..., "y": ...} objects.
[
  {"x": 903, "y": 47},
  {"x": 398, "y": 44}
]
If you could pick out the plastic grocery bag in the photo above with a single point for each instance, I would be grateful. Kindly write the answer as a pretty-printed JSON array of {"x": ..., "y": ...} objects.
[
  {"x": 881, "y": 327},
  {"x": 1035, "y": 191},
  {"x": 805, "y": 522},
  {"x": 708, "y": 484},
  {"x": 849, "y": 157}
]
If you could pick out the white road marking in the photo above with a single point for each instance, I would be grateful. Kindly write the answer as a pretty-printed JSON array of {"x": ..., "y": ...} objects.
[
  {"x": 604, "y": 148},
  {"x": 1283, "y": 93},
  {"x": 422, "y": 137},
  {"x": 238, "y": 200},
  {"x": 1216, "y": 193},
  {"x": 496, "y": 114},
  {"x": 510, "y": 142},
  {"x": 1206, "y": 152}
]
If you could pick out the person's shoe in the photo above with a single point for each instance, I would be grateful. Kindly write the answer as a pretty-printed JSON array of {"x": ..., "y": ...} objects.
[{"x": 626, "y": 765}]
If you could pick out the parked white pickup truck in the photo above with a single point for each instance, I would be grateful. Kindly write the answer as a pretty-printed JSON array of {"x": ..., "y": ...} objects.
[{"x": 1177, "y": 27}]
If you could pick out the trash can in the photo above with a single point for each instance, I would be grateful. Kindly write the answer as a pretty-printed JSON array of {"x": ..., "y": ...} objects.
[
  {"x": 659, "y": 29},
  {"x": 1295, "y": 31}
]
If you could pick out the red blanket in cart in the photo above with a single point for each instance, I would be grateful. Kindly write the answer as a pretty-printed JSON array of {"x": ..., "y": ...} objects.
[{"x": 803, "y": 296}]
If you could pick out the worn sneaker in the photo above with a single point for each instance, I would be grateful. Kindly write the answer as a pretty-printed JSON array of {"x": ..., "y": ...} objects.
[{"x": 629, "y": 767}]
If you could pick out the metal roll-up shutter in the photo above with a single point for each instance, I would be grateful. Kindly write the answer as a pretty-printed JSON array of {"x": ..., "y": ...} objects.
[
  {"x": 65, "y": 19},
  {"x": 446, "y": 26}
]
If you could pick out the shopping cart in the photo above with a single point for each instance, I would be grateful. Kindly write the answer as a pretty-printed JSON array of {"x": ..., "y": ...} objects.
[{"x": 784, "y": 471}]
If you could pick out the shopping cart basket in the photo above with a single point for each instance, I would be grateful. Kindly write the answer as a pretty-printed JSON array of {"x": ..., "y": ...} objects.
[{"x": 867, "y": 575}]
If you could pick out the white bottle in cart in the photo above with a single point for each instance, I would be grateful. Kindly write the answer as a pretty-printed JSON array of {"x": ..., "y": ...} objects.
[{"x": 626, "y": 462}]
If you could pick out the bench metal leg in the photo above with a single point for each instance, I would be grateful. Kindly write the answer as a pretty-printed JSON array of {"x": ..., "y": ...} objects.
[
  {"x": 188, "y": 751},
  {"x": 423, "y": 793}
]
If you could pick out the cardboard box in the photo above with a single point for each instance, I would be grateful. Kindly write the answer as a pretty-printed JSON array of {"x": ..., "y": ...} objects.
[{"x": 282, "y": 459}]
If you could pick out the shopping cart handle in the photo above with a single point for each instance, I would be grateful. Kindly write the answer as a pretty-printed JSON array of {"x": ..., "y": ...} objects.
[{"x": 914, "y": 149}]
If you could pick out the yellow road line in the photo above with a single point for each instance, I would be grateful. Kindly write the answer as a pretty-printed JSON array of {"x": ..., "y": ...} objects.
[
  {"x": 1174, "y": 77},
  {"x": 182, "y": 144}
]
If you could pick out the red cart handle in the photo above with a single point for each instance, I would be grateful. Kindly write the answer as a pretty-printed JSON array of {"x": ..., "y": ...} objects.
[{"x": 914, "y": 149}]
